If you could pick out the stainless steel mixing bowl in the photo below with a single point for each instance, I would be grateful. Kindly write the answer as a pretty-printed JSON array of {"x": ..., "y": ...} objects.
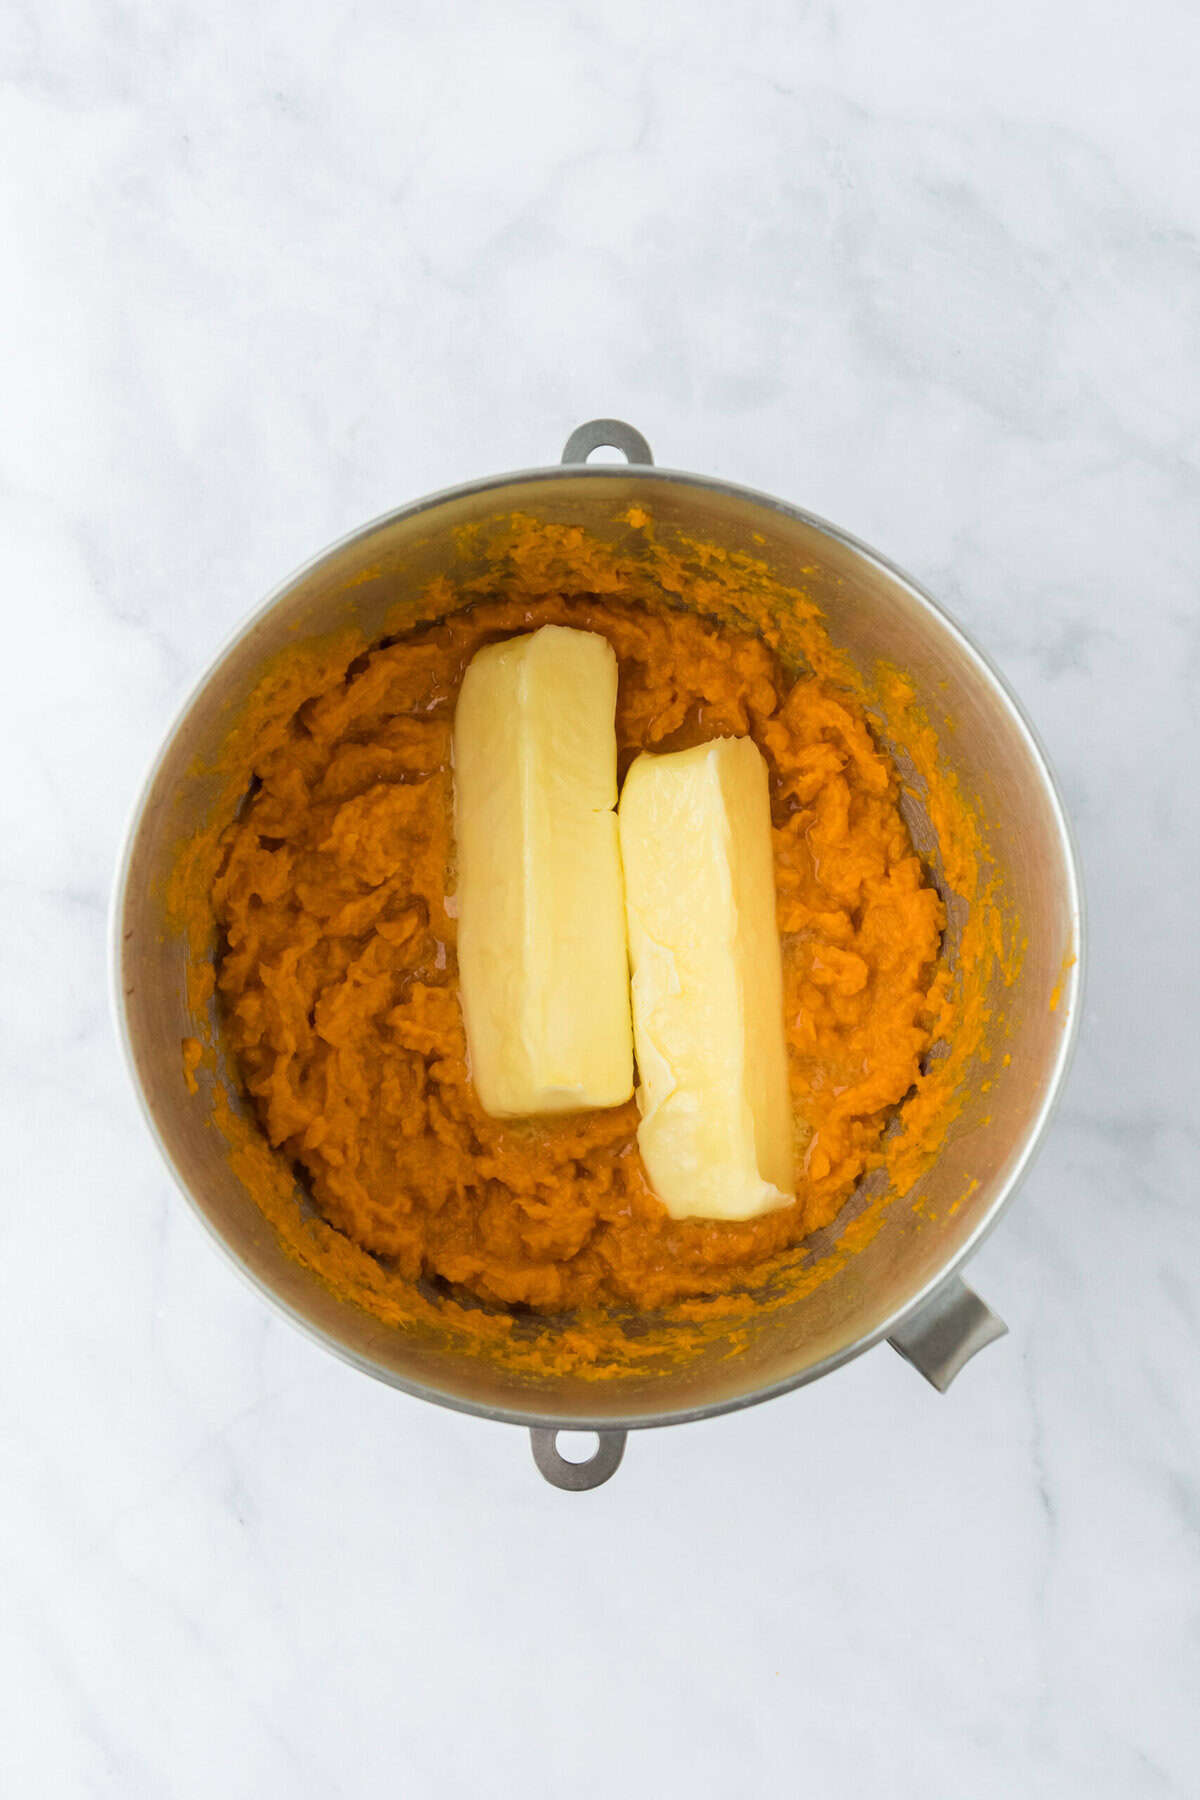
[{"x": 904, "y": 1285}]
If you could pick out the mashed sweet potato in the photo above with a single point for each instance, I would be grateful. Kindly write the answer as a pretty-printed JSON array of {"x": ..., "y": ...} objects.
[{"x": 335, "y": 903}]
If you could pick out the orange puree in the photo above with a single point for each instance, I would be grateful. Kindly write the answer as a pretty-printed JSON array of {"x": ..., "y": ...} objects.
[{"x": 337, "y": 975}]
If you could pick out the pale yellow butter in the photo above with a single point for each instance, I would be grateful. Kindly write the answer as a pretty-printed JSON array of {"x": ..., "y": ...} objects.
[
  {"x": 716, "y": 1132},
  {"x": 543, "y": 969}
]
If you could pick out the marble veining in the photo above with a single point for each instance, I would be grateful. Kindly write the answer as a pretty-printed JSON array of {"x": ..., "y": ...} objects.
[{"x": 932, "y": 272}]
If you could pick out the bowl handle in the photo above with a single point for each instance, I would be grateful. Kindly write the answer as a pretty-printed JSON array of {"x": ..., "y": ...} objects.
[
  {"x": 607, "y": 434},
  {"x": 575, "y": 1477},
  {"x": 946, "y": 1332}
]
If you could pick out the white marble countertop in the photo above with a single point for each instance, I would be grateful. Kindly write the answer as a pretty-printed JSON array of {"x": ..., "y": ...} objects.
[{"x": 931, "y": 271}]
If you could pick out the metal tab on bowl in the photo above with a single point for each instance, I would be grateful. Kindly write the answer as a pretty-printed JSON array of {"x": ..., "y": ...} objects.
[
  {"x": 946, "y": 1333},
  {"x": 576, "y": 1477},
  {"x": 607, "y": 434}
]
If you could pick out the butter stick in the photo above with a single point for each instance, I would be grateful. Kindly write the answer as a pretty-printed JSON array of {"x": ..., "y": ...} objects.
[
  {"x": 716, "y": 1129},
  {"x": 543, "y": 970}
]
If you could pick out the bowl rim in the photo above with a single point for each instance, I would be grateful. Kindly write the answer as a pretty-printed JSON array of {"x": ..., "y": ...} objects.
[{"x": 1072, "y": 985}]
